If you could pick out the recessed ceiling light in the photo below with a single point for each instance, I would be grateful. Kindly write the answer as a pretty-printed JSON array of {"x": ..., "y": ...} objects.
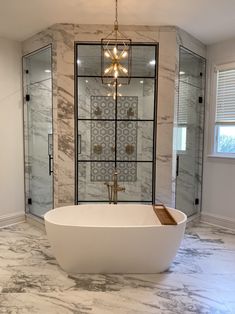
[
  {"x": 182, "y": 72},
  {"x": 47, "y": 71},
  {"x": 141, "y": 82},
  {"x": 86, "y": 81},
  {"x": 152, "y": 62}
]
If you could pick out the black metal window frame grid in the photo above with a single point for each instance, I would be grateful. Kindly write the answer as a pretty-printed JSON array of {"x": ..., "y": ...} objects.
[{"x": 154, "y": 120}]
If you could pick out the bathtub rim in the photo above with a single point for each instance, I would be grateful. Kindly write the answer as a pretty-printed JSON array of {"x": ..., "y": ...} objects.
[{"x": 46, "y": 216}]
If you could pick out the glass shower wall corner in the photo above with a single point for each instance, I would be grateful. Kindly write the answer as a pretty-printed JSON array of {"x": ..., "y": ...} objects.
[
  {"x": 38, "y": 133},
  {"x": 190, "y": 131}
]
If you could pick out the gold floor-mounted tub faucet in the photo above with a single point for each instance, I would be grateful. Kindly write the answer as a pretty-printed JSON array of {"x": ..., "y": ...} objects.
[{"x": 114, "y": 188}]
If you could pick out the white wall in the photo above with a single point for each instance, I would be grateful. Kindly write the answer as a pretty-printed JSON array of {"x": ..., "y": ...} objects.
[
  {"x": 219, "y": 173},
  {"x": 11, "y": 132}
]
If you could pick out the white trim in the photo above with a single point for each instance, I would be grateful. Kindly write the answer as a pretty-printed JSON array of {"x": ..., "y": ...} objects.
[
  {"x": 225, "y": 66},
  {"x": 211, "y": 112},
  {"x": 14, "y": 218},
  {"x": 193, "y": 219},
  {"x": 232, "y": 156},
  {"x": 35, "y": 221},
  {"x": 219, "y": 221},
  {"x": 211, "y": 118}
]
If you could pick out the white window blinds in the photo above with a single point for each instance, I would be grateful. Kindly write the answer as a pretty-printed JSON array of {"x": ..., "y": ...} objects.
[{"x": 225, "y": 97}]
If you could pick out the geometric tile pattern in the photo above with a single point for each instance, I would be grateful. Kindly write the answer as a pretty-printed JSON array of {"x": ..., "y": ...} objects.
[{"x": 103, "y": 137}]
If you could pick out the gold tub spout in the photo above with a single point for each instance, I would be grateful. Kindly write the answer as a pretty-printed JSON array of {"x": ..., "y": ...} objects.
[{"x": 114, "y": 188}]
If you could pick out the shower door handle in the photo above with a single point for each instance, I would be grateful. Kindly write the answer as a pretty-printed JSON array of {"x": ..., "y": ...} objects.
[
  {"x": 50, "y": 165},
  {"x": 50, "y": 152},
  {"x": 177, "y": 165}
]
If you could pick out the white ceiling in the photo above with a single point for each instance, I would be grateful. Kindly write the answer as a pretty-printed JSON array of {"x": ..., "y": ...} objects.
[{"x": 208, "y": 20}]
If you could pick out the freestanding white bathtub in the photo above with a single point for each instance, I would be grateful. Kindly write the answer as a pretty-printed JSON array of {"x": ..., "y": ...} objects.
[{"x": 104, "y": 238}]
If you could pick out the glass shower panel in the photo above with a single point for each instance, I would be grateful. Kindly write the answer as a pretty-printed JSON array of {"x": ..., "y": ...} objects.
[
  {"x": 136, "y": 177},
  {"x": 190, "y": 132},
  {"x": 143, "y": 91},
  {"x": 134, "y": 140},
  {"x": 95, "y": 100},
  {"x": 143, "y": 61},
  {"x": 38, "y": 131},
  {"x": 115, "y": 127},
  {"x": 96, "y": 140},
  {"x": 91, "y": 178}
]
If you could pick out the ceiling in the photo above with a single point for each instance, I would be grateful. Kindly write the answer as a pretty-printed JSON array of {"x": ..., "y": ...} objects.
[{"x": 208, "y": 20}]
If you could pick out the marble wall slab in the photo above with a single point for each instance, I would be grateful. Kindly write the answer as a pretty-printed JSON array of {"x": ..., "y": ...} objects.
[{"x": 62, "y": 37}]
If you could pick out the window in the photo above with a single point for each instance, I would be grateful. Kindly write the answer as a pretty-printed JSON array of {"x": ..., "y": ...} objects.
[{"x": 225, "y": 111}]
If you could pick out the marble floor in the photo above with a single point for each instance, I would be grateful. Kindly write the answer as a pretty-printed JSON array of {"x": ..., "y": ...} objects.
[{"x": 200, "y": 280}]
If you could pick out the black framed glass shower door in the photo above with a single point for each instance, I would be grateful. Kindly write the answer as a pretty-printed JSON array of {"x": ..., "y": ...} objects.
[{"x": 115, "y": 127}]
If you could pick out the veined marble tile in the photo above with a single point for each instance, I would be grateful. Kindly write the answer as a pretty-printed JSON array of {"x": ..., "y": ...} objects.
[{"x": 198, "y": 281}]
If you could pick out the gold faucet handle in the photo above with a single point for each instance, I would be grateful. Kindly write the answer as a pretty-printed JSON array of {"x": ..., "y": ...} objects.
[{"x": 121, "y": 188}]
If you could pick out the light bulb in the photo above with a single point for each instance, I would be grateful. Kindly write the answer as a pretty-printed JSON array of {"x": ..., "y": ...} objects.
[
  {"x": 123, "y": 69},
  {"x": 115, "y": 51},
  {"x": 124, "y": 54},
  {"x": 107, "y": 54},
  {"x": 107, "y": 70},
  {"x": 115, "y": 74}
]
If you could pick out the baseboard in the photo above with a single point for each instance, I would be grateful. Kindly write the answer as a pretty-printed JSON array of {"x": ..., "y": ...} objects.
[
  {"x": 36, "y": 222},
  {"x": 218, "y": 221},
  {"x": 14, "y": 218},
  {"x": 193, "y": 219}
]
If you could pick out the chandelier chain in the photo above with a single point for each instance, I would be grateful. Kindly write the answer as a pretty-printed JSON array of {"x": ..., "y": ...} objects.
[{"x": 116, "y": 14}]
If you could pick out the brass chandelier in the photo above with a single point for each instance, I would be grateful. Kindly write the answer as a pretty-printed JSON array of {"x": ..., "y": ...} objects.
[{"x": 116, "y": 56}]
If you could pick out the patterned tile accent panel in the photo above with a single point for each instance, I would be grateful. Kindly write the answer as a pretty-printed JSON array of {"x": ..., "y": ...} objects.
[{"x": 103, "y": 137}]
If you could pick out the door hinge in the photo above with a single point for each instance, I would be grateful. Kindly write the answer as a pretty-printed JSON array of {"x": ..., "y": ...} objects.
[
  {"x": 27, "y": 97},
  {"x": 200, "y": 100},
  {"x": 30, "y": 201},
  {"x": 196, "y": 201}
]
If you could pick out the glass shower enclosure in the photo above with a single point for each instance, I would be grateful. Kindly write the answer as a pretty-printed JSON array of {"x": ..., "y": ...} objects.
[
  {"x": 190, "y": 127},
  {"x": 115, "y": 127},
  {"x": 38, "y": 131}
]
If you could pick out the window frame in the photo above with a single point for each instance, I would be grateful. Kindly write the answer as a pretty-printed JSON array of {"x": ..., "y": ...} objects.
[{"x": 215, "y": 125}]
